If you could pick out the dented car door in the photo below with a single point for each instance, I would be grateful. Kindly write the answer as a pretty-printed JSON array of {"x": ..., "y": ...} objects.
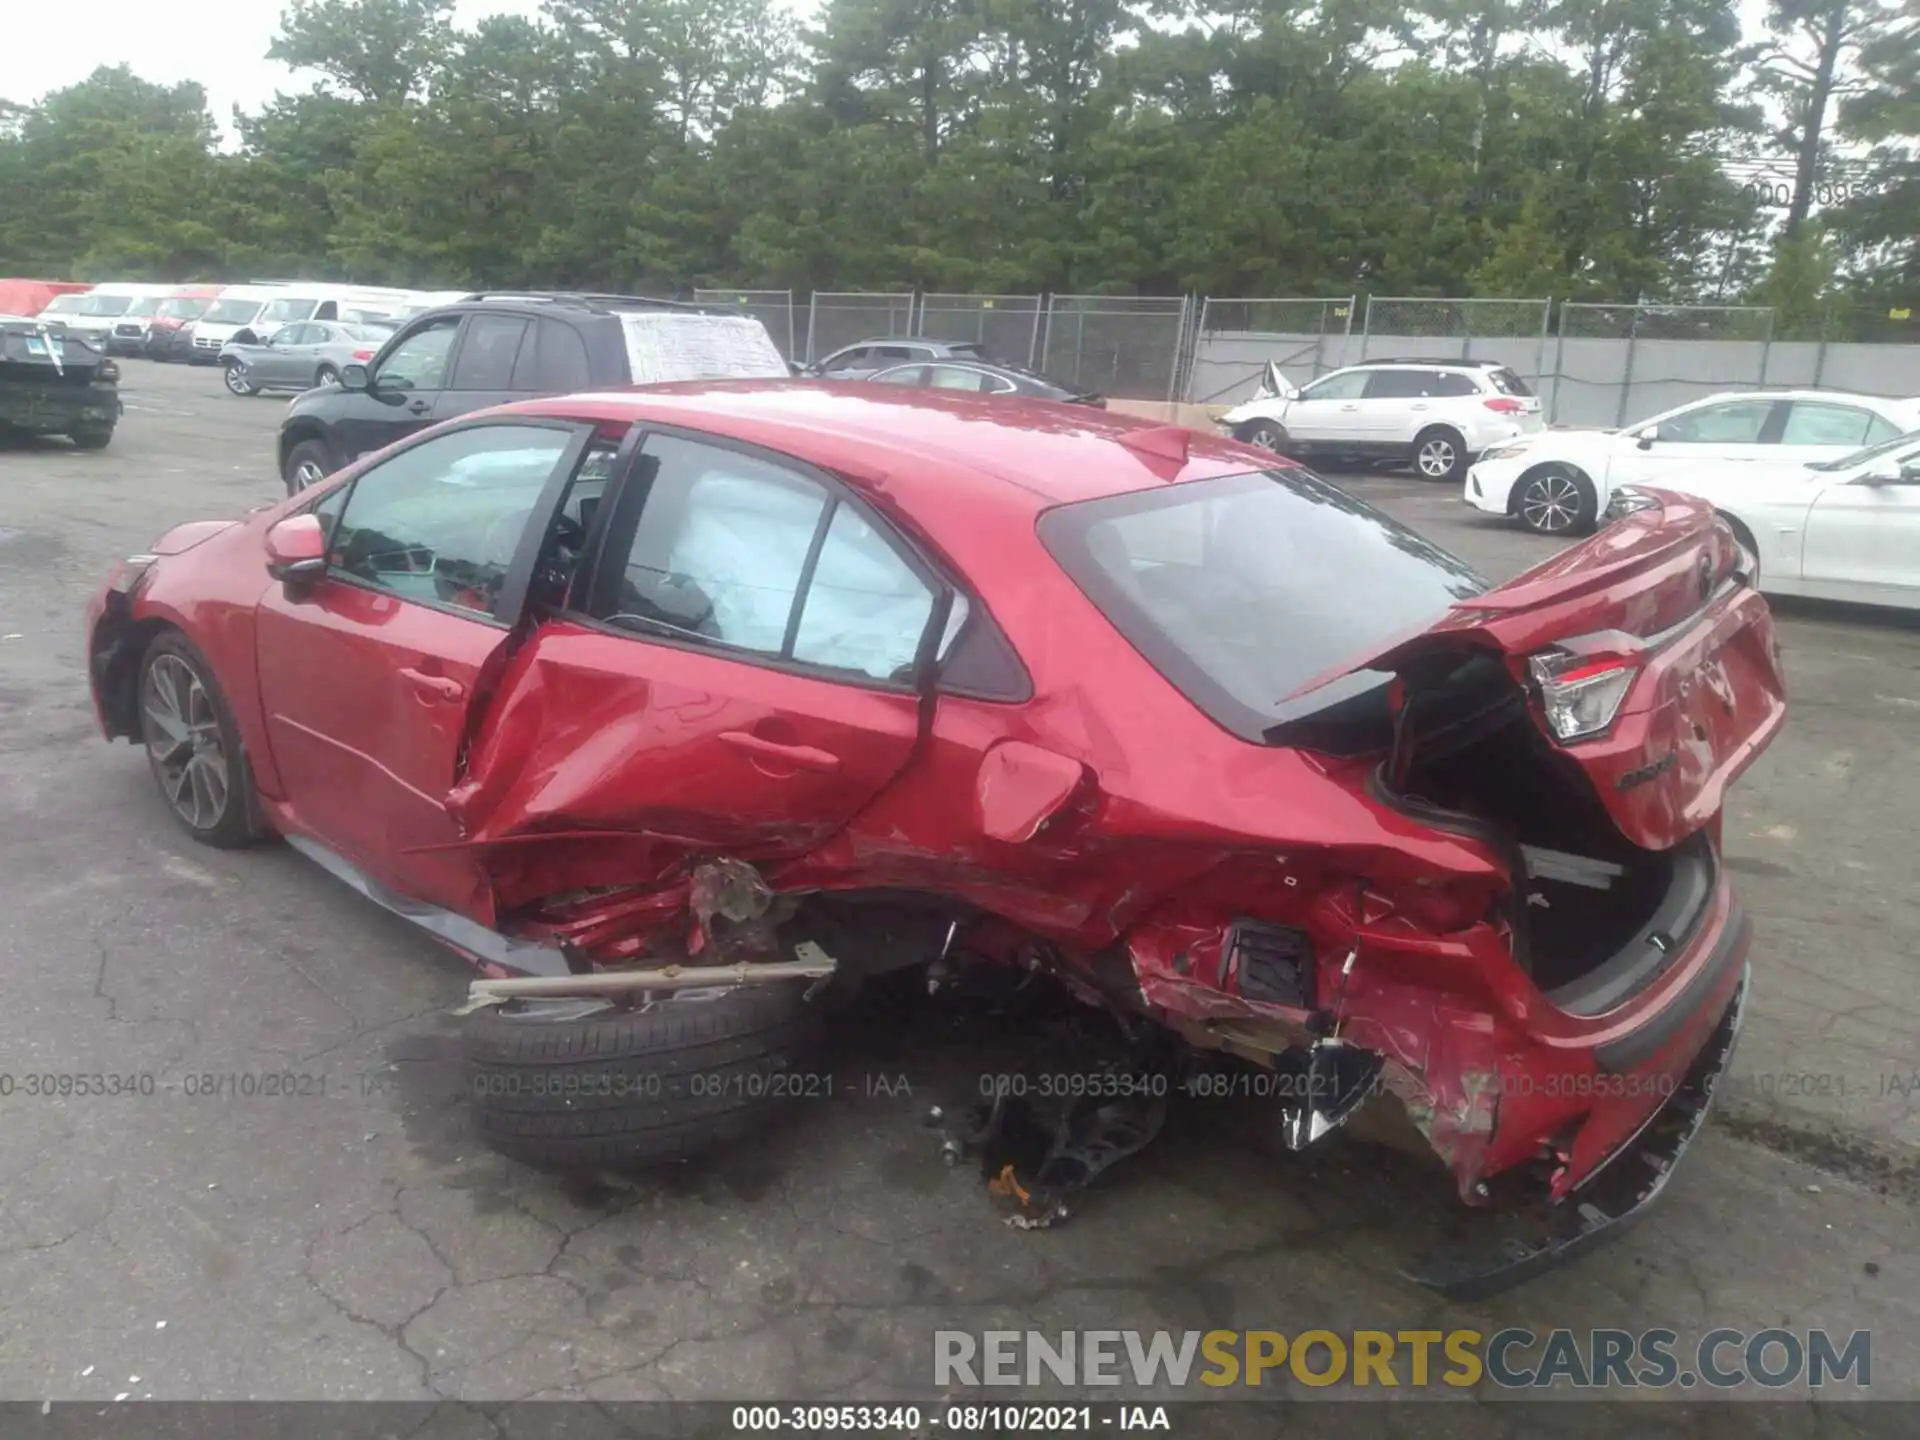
[
  {"x": 368, "y": 678},
  {"x": 734, "y": 674}
]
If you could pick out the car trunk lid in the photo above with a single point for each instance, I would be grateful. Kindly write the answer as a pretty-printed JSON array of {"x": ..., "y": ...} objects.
[{"x": 1647, "y": 659}]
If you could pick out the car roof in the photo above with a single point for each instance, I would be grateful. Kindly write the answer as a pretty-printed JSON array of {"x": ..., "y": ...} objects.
[
  {"x": 1436, "y": 364},
  {"x": 929, "y": 447},
  {"x": 928, "y": 340}
]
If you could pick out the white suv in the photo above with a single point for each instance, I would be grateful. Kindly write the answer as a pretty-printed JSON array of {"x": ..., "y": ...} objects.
[{"x": 1436, "y": 415}]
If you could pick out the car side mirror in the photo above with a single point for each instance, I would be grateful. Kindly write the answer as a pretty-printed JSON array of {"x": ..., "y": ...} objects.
[
  {"x": 1647, "y": 436},
  {"x": 355, "y": 377},
  {"x": 1884, "y": 475},
  {"x": 297, "y": 551}
]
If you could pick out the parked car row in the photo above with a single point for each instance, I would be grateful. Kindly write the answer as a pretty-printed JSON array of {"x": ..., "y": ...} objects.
[{"x": 194, "y": 323}]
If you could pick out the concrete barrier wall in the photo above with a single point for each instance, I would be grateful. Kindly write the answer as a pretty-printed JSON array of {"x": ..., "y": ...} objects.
[{"x": 1581, "y": 382}]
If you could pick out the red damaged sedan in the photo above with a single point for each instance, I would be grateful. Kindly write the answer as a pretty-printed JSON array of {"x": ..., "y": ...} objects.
[{"x": 671, "y": 709}]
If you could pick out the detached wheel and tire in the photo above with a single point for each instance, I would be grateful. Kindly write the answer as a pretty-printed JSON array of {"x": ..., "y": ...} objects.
[
  {"x": 1266, "y": 435},
  {"x": 91, "y": 437},
  {"x": 308, "y": 463},
  {"x": 587, "y": 1085},
  {"x": 1440, "y": 454},
  {"x": 194, "y": 747},
  {"x": 1555, "y": 500},
  {"x": 235, "y": 374}
]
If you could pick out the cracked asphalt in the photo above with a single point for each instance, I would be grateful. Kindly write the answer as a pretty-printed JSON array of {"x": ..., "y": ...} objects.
[{"x": 351, "y": 1240}]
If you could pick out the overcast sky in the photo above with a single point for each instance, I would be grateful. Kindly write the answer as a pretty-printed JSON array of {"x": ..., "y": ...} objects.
[{"x": 221, "y": 43}]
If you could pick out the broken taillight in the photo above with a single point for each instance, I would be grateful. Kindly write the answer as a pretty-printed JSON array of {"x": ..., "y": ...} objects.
[
  {"x": 1581, "y": 694},
  {"x": 1504, "y": 406}
]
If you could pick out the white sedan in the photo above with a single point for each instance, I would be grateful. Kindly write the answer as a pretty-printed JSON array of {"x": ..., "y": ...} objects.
[
  {"x": 1846, "y": 529},
  {"x": 1559, "y": 482}
]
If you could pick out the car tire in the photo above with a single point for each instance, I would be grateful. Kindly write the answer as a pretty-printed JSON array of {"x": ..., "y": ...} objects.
[
  {"x": 193, "y": 746},
  {"x": 620, "y": 1088},
  {"x": 91, "y": 437},
  {"x": 1555, "y": 500},
  {"x": 234, "y": 373},
  {"x": 325, "y": 375},
  {"x": 308, "y": 463},
  {"x": 1440, "y": 454},
  {"x": 1266, "y": 435}
]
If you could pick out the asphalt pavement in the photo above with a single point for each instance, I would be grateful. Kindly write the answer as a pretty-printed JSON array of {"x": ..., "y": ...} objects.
[{"x": 351, "y": 1240}]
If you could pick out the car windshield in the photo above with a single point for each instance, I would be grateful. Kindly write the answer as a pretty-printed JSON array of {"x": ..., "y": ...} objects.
[
  {"x": 105, "y": 304},
  {"x": 233, "y": 312},
  {"x": 64, "y": 305},
  {"x": 183, "y": 309},
  {"x": 282, "y": 312},
  {"x": 144, "y": 307},
  {"x": 1246, "y": 590},
  {"x": 1867, "y": 455}
]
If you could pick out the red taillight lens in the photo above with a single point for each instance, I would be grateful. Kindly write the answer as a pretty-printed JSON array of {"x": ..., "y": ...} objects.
[
  {"x": 363, "y": 354},
  {"x": 1504, "y": 406}
]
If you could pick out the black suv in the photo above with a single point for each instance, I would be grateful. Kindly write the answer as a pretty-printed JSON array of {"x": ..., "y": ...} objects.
[{"x": 491, "y": 348}]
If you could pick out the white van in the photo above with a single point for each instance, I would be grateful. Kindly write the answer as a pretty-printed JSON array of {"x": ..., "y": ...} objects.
[
  {"x": 234, "y": 315},
  {"x": 302, "y": 300},
  {"x": 94, "y": 313}
]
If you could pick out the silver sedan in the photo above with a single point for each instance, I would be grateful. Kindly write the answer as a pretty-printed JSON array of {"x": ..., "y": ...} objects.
[{"x": 300, "y": 356}]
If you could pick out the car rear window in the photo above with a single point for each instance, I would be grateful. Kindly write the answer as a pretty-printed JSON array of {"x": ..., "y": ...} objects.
[
  {"x": 1243, "y": 590},
  {"x": 1508, "y": 383}
]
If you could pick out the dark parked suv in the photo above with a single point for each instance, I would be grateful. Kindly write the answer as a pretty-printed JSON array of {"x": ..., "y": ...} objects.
[{"x": 491, "y": 348}]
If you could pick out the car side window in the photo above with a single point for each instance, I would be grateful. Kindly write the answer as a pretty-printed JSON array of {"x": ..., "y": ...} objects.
[
  {"x": 440, "y": 521},
  {"x": 955, "y": 377},
  {"x": 895, "y": 354},
  {"x": 1347, "y": 386},
  {"x": 720, "y": 556},
  {"x": 864, "y": 610},
  {"x": 1734, "y": 422},
  {"x": 1452, "y": 384},
  {"x": 553, "y": 360},
  {"x": 419, "y": 362},
  {"x": 1811, "y": 422},
  {"x": 847, "y": 360},
  {"x": 288, "y": 335},
  {"x": 905, "y": 375},
  {"x": 488, "y": 352},
  {"x": 1398, "y": 384},
  {"x": 1882, "y": 430}
]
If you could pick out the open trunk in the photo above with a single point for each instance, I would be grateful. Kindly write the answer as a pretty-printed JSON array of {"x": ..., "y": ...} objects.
[
  {"x": 1585, "y": 720},
  {"x": 1592, "y": 912}
]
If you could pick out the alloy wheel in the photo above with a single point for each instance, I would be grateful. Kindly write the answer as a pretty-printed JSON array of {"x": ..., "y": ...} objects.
[
  {"x": 1436, "y": 458},
  {"x": 307, "y": 473},
  {"x": 1265, "y": 438},
  {"x": 182, "y": 730},
  {"x": 1550, "y": 503},
  {"x": 237, "y": 382}
]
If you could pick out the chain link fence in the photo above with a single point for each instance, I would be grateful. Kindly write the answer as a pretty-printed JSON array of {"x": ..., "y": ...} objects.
[
  {"x": 1129, "y": 347},
  {"x": 1006, "y": 327},
  {"x": 1510, "y": 332},
  {"x": 1617, "y": 364},
  {"x": 772, "y": 308},
  {"x": 836, "y": 319},
  {"x": 1235, "y": 339}
]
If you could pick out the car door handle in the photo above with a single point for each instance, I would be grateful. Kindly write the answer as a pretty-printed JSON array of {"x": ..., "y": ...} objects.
[
  {"x": 1419, "y": 406},
  {"x": 1349, "y": 407},
  {"x": 438, "y": 686},
  {"x": 419, "y": 407},
  {"x": 806, "y": 757}
]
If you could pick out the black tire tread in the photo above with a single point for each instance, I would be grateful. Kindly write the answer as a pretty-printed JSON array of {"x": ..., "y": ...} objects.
[{"x": 757, "y": 1030}]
